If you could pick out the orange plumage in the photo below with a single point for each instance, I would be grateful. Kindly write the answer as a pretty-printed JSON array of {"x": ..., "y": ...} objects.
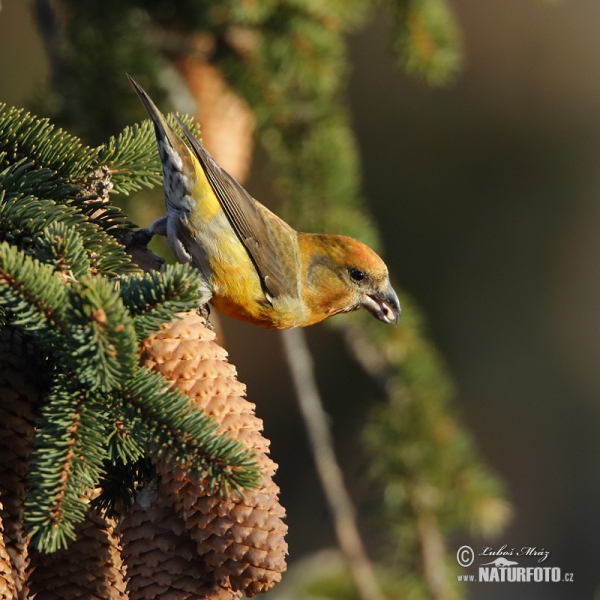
[{"x": 254, "y": 266}]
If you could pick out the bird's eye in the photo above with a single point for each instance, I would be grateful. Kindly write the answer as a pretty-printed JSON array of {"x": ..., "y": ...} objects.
[{"x": 357, "y": 274}]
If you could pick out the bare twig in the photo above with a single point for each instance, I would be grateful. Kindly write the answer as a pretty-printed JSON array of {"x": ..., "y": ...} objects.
[{"x": 340, "y": 504}]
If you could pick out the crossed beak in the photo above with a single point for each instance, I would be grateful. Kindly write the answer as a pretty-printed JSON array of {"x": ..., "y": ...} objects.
[{"x": 385, "y": 305}]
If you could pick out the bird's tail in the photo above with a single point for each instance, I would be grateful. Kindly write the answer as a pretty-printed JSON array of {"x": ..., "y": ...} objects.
[{"x": 180, "y": 167}]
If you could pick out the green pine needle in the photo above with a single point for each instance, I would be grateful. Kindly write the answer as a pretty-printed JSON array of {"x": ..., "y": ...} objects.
[
  {"x": 123, "y": 445},
  {"x": 23, "y": 135},
  {"x": 132, "y": 156},
  {"x": 184, "y": 436},
  {"x": 67, "y": 464},
  {"x": 153, "y": 298},
  {"x": 31, "y": 199},
  {"x": 62, "y": 247},
  {"x": 33, "y": 295},
  {"x": 100, "y": 334}
]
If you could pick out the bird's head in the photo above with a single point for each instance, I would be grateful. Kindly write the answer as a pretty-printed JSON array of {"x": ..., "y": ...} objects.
[{"x": 343, "y": 274}]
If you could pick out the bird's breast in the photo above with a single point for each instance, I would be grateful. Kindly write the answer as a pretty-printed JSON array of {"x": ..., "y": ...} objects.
[{"x": 224, "y": 262}]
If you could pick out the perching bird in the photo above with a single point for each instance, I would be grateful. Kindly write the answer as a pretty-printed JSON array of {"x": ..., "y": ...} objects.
[{"x": 254, "y": 266}]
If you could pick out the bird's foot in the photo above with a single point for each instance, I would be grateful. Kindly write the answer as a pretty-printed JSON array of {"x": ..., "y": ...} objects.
[{"x": 141, "y": 237}]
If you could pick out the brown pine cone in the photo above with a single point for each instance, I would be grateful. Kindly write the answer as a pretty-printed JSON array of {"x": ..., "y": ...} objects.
[
  {"x": 241, "y": 539},
  {"x": 161, "y": 559},
  {"x": 8, "y": 589},
  {"x": 91, "y": 567},
  {"x": 18, "y": 411}
]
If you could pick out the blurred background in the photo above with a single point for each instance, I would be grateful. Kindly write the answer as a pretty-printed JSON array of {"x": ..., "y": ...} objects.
[{"x": 486, "y": 192}]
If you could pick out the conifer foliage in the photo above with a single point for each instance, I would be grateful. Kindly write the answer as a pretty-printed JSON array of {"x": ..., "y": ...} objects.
[{"x": 71, "y": 299}]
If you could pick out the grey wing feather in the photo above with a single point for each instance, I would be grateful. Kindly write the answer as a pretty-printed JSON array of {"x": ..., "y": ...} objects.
[{"x": 249, "y": 223}]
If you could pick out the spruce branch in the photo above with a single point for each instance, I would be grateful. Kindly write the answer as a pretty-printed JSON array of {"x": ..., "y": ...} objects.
[
  {"x": 153, "y": 298},
  {"x": 61, "y": 246},
  {"x": 23, "y": 220},
  {"x": 32, "y": 294},
  {"x": 67, "y": 284},
  {"x": 184, "y": 436},
  {"x": 31, "y": 198},
  {"x": 100, "y": 335},
  {"x": 132, "y": 157},
  {"x": 23, "y": 135},
  {"x": 66, "y": 169},
  {"x": 67, "y": 463},
  {"x": 22, "y": 178}
]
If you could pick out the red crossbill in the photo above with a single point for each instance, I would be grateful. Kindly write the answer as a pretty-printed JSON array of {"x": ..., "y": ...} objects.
[{"x": 254, "y": 266}]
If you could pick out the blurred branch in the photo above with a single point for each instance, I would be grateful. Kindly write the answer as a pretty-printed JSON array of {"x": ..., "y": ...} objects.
[
  {"x": 433, "y": 480},
  {"x": 372, "y": 359},
  {"x": 432, "y": 551},
  {"x": 426, "y": 39},
  {"x": 316, "y": 419}
]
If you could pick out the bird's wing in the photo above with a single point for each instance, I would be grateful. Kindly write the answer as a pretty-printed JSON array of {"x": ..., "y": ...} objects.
[{"x": 273, "y": 252}]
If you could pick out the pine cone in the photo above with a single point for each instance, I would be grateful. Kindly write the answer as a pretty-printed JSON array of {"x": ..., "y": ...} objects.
[
  {"x": 8, "y": 589},
  {"x": 241, "y": 539},
  {"x": 18, "y": 411},
  {"x": 90, "y": 567},
  {"x": 161, "y": 559}
]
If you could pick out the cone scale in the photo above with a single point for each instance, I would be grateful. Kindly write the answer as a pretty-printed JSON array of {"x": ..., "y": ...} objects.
[{"x": 240, "y": 540}]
